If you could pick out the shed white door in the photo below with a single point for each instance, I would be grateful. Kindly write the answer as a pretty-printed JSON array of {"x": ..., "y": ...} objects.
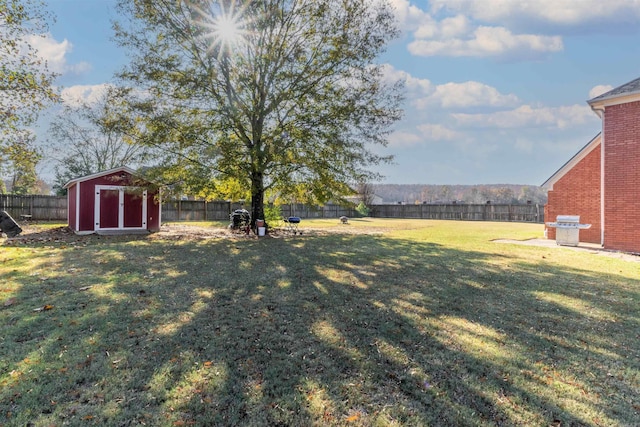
[{"x": 120, "y": 208}]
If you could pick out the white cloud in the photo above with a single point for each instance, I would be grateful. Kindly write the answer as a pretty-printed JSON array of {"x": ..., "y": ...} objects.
[
  {"x": 527, "y": 116},
  {"x": 599, "y": 90},
  {"x": 488, "y": 41},
  {"x": 409, "y": 17},
  {"x": 437, "y": 132},
  {"x": 421, "y": 93},
  {"x": 76, "y": 96},
  {"x": 476, "y": 120},
  {"x": 55, "y": 54},
  {"x": 470, "y": 94},
  {"x": 556, "y": 12},
  {"x": 401, "y": 139},
  {"x": 508, "y": 29},
  {"x": 412, "y": 84},
  {"x": 456, "y": 26},
  {"x": 457, "y": 31}
]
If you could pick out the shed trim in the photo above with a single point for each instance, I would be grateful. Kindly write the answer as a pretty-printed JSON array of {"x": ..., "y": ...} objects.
[
  {"x": 159, "y": 210},
  {"x": 77, "y": 227},
  {"x": 121, "y": 191},
  {"x": 99, "y": 174}
]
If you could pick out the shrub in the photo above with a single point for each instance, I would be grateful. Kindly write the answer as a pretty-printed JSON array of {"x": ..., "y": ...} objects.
[
  {"x": 362, "y": 209},
  {"x": 272, "y": 214}
]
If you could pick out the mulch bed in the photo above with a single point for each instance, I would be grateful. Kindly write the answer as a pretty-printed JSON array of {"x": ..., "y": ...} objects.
[{"x": 33, "y": 234}]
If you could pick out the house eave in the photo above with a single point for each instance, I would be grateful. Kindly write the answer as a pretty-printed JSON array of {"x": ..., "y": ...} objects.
[
  {"x": 602, "y": 103},
  {"x": 584, "y": 151}
]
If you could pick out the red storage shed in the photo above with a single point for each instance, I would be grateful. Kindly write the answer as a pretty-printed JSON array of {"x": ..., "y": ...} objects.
[{"x": 113, "y": 201}]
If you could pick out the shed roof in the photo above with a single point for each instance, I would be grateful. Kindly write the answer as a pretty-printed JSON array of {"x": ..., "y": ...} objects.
[
  {"x": 572, "y": 161},
  {"x": 99, "y": 174},
  {"x": 630, "y": 88}
]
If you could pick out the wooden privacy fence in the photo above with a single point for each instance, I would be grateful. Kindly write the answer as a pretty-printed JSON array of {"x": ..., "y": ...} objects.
[
  {"x": 462, "y": 212},
  {"x": 54, "y": 208},
  {"x": 198, "y": 210},
  {"x": 326, "y": 211},
  {"x": 35, "y": 207}
]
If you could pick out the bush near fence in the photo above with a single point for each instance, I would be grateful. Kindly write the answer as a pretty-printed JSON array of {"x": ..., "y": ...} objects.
[{"x": 54, "y": 208}]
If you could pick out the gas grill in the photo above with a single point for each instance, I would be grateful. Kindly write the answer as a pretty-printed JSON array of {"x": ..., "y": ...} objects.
[{"x": 568, "y": 229}]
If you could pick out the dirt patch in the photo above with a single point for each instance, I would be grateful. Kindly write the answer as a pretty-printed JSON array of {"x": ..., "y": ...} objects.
[
  {"x": 180, "y": 231},
  {"x": 32, "y": 234},
  {"x": 189, "y": 232},
  {"x": 35, "y": 234}
]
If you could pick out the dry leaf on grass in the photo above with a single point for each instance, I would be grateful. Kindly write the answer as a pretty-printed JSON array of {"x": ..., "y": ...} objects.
[
  {"x": 44, "y": 308},
  {"x": 353, "y": 417}
]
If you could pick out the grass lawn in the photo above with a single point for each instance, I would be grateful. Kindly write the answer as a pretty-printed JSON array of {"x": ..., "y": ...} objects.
[{"x": 389, "y": 322}]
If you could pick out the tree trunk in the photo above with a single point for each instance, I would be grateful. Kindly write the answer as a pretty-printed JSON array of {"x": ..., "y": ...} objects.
[{"x": 257, "y": 198}]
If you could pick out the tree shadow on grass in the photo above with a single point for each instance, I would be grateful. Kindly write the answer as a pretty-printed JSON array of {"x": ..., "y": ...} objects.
[{"x": 330, "y": 330}]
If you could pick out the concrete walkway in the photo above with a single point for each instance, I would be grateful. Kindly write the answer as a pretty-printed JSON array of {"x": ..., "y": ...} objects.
[{"x": 585, "y": 247}]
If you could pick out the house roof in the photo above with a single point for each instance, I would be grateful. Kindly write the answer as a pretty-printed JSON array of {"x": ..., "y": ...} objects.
[
  {"x": 99, "y": 174},
  {"x": 627, "y": 89},
  {"x": 573, "y": 161}
]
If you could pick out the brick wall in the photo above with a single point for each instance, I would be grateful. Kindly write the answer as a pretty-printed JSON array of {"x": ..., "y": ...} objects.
[
  {"x": 622, "y": 177},
  {"x": 578, "y": 193}
]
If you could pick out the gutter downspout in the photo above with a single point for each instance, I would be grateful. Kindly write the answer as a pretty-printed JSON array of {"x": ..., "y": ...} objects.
[{"x": 600, "y": 112}]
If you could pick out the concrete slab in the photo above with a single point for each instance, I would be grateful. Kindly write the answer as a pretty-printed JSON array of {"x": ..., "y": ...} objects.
[
  {"x": 586, "y": 247},
  {"x": 121, "y": 232}
]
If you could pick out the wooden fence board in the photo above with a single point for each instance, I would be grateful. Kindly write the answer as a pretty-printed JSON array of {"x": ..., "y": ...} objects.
[
  {"x": 326, "y": 211},
  {"x": 462, "y": 212},
  {"x": 196, "y": 210},
  {"x": 36, "y": 207}
]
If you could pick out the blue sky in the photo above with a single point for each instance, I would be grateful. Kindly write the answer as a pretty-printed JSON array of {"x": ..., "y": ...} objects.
[{"x": 495, "y": 89}]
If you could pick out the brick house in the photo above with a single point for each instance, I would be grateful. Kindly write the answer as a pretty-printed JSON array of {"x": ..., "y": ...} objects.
[{"x": 601, "y": 183}]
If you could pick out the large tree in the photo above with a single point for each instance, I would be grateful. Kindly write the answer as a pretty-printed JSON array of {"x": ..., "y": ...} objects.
[
  {"x": 25, "y": 82},
  {"x": 366, "y": 193},
  {"x": 257, "y": 95},
  {"x": 91, "y": 137},
  {"x": 22, "y": 158},
  {"x": 26, "y": 87}
]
